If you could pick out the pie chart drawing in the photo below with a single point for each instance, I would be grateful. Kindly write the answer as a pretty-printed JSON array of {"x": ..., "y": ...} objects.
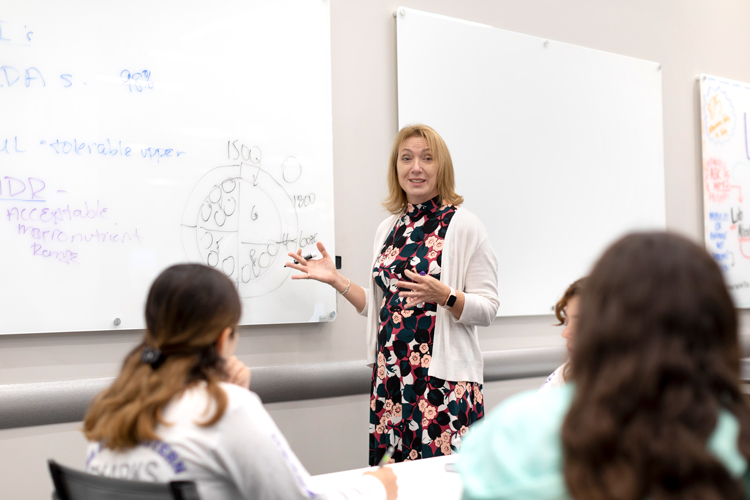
[{"x": 240, "y": 220}]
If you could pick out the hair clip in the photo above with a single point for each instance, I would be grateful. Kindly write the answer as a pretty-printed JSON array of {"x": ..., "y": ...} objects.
[{"x": 152, "y": 357}]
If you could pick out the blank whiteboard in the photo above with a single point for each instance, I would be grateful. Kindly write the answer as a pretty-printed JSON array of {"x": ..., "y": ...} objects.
[
  {"x": 140, "y": 134},
  {"x": 557, "y": 148}
]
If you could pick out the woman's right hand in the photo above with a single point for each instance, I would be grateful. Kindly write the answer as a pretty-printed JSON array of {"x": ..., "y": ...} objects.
[
  {"x": 322, "y": 269},
  {"x": 388, "y": 478}
]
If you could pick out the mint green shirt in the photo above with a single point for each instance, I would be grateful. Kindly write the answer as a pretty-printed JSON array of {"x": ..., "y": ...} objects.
[{"x": 516, "y": 451}]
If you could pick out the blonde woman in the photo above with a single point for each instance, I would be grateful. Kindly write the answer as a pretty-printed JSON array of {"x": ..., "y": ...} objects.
[
  {"x": 433, "y": 281},
  {"x": 181, "y": 409}
]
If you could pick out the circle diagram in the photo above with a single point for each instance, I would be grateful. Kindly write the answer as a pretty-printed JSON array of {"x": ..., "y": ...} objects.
[{"x": 239, "y": 219}]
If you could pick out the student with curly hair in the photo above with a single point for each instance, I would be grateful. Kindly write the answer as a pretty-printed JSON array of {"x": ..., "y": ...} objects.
[
  {"x": 566, "y": 312},
  {"x": 654, "y": 410}
]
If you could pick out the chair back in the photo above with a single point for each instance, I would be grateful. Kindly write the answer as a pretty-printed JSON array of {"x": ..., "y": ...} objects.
[{"x": 71, "y": 484}]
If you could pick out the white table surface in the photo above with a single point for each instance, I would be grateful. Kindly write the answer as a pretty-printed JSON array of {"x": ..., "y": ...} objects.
[{"x": 418, "y": 479}]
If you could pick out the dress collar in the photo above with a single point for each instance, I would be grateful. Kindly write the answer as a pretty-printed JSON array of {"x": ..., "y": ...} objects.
[{"x": 428, "y": 206}]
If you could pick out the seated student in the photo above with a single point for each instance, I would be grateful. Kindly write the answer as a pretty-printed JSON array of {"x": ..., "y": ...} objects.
[
  {"x": 566, "y": 311},
  {"x": 654, "y": 410},
  {"x": 172, "y": 414}
]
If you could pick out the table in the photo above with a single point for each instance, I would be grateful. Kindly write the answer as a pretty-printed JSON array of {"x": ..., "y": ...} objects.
[{"x": 411, "y": 476}]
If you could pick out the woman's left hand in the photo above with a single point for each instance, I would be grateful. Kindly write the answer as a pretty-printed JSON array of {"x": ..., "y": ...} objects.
[
  {"x": 422, "y": 289},
  {"x": 237, "y": 372}
]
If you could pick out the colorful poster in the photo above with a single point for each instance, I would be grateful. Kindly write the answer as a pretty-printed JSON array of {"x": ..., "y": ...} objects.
[{"x": 726, "y": 178}]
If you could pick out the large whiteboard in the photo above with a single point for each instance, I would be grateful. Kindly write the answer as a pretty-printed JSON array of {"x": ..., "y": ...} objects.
[
  {"x": 726, "y": 179},
  {"x": 557, "y": 148},
  {"x": 138, "y": 134}
]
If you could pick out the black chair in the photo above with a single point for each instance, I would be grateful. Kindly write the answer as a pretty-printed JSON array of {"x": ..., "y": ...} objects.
[{"x": 71, "y": 484}]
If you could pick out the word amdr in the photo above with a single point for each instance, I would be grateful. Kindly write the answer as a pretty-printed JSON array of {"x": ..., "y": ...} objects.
[
  {"x": 110, "y": 148},
  {"x": 15, "y": 187}
]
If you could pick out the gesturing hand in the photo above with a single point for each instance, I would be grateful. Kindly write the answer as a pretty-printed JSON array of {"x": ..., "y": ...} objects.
[
  {"x": 422, "y": 289},
  {"x": 322, "y": 269}
]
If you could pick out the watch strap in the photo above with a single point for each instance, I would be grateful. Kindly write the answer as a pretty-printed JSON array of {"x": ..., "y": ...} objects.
[{"x": 451, "y": 299}]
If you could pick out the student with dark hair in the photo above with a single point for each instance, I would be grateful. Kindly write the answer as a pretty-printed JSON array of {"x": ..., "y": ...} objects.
[
  {"x": 566, "y": 312},
  {"x": 181, "y": 409},
  {"x": 654, "y": 410}
]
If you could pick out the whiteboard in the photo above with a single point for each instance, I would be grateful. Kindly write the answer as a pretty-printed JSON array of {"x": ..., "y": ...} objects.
[
  {"x": 139, "y": 134},
  {"x": 726, "y": 180},
  {"x": 557, "y": 148}
]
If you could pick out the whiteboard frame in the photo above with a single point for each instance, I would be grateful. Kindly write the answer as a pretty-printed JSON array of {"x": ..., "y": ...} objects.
[{"x": 252, "y": 71}]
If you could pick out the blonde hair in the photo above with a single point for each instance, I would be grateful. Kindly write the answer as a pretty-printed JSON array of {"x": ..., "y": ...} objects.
[
  {"x": 187, "y": 309},
  {"x": 396, "y": 201}
]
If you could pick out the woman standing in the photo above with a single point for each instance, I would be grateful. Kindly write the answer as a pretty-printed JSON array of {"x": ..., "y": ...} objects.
[{"x": 434, "y": 280}]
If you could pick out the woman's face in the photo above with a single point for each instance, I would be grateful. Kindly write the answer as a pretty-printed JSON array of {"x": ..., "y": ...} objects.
[
  {"x": 417, "y": 170},
  {"x": 571, "y": 321}
]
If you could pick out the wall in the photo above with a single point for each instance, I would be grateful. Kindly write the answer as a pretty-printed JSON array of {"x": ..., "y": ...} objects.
[{"x": 686, "y": 36}]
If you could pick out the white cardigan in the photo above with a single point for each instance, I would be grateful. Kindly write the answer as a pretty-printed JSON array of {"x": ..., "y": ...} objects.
[{"x": 469, "y": 264}]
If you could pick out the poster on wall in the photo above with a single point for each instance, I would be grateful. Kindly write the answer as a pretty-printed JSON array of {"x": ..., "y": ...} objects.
[{"x": 726, "y": 180}]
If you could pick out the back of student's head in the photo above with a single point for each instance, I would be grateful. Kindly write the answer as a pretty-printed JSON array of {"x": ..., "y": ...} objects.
[
  {"x": 656, "y": 359},
  {"x": 187, "y": 309}
]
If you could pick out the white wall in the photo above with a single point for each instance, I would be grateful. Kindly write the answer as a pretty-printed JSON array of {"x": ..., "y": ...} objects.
[{"x": 686, "y": 36}]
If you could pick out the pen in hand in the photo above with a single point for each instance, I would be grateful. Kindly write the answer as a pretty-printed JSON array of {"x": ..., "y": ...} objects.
[
  {"x": 386, "y": 457},
  {"x": 306, "y": 257}
]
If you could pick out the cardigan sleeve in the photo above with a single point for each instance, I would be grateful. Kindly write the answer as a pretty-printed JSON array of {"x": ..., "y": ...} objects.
[
  {"x": 363, "y": 312},
  {"x": 480, "y": 287}
]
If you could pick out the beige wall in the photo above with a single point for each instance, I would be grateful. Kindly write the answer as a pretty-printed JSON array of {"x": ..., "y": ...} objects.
[{"x": 686, "y": 36}]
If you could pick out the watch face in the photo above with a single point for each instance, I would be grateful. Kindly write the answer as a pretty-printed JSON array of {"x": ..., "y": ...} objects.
[{"x": 451, "y": 301}]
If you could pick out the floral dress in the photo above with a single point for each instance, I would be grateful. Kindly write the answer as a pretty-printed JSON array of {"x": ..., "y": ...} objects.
[{"x": 421, "y": 416}]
